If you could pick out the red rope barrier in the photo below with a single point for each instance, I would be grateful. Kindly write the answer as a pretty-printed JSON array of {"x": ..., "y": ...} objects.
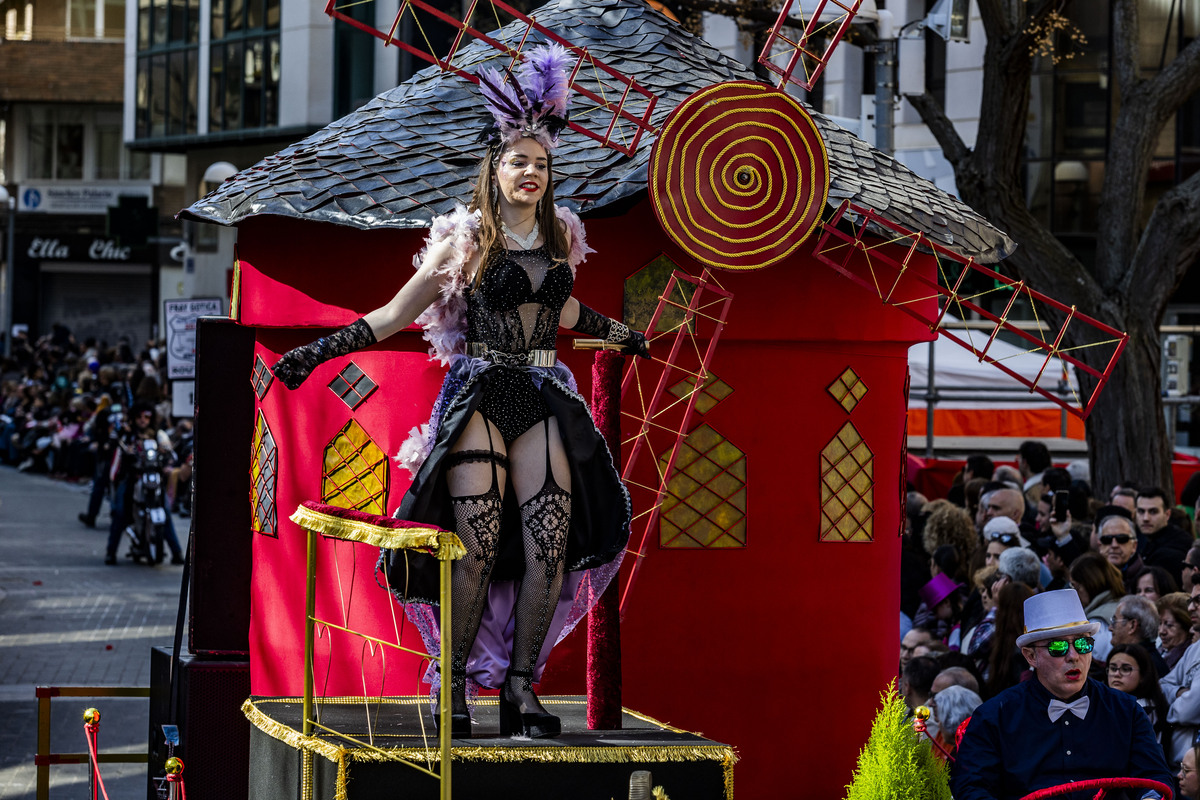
[
  {"x": 179, "y": 780},
  {"x": 174, "y": 768},
  {"x": 1101, "y": 784},
  {"x": 90, "y": 729}
]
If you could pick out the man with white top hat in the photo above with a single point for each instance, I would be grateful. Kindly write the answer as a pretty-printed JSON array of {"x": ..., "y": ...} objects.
[{"x": 1059, "y": 727}]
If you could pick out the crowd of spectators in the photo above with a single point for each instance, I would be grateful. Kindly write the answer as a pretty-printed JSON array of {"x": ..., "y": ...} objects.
[
  {"x": 64, "y": 404},
  {"x": 971, "y": 560}
]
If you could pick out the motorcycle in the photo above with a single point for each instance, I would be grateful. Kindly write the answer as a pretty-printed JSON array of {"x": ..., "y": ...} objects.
[{"x": 148, "y": 513}]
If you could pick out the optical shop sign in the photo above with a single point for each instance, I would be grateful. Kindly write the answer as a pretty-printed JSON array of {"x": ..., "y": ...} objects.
[
  {"x": 180, "y": 319},
  {"x": 89, "y": 199}
]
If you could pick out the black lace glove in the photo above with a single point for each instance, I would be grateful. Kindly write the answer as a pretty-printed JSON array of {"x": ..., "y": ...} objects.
[
  {"x": 633, "y": 343},
  {"x": 296, "y": 365}
]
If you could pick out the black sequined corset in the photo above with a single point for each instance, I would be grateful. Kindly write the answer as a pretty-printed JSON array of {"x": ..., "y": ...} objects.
[
  {"x": 516, "y": 306},
  {"x": 515, "y": 309}
]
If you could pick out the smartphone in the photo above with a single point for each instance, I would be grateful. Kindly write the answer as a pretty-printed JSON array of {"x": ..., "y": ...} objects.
[{"x": 1061, "y": 500}]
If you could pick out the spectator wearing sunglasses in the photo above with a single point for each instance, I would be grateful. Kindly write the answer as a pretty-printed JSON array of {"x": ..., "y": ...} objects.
[
  {"x": 1182, "y": 689},
  {"x": 1189, "y": 569},
  {"x": 1098, "y": 519},
  {"x": 1059, "y": 727},
  {"x": 1119, "y": 544},
  {"x": 1000, "y": 534}
]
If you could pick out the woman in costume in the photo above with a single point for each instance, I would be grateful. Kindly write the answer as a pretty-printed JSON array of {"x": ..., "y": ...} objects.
[{"x": 492, "y": 287}]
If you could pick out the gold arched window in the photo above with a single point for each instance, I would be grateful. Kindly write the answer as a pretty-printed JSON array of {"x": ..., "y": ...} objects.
[
  {"x": 355, "y": 473},
  {"x": 847, "y": 488},
  {"x": 264, "y": 467}
]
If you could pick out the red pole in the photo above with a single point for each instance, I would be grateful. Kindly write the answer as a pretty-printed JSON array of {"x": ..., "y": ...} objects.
[{"x": 604, "y": 621}]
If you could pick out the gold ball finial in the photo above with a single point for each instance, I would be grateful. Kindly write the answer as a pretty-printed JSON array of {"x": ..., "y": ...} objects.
[
  {"x": 921, "y": 712},
  {"x": 173, "y": 766},
  {"x": 91, "y": 716}
]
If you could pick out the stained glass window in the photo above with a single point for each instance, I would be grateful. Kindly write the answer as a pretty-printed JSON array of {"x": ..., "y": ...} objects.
[
  {"x": 848, "y": 389},
  {"x": 262, "y": 377},
  {"x": 711, "y": 392},
  {"x": 352, "y": 385},
  {"x": 355, "y": 473},
  {"x": 264, "y": 467},
  {"x": 847, "y": 488},
  {"x": 705, "y": 504}
]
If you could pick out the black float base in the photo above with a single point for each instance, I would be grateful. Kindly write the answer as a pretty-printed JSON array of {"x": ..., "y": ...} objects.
[{"x": 580, "y": 764}]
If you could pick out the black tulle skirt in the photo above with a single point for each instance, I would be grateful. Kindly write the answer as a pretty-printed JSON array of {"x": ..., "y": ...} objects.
[{"x": 600, "y": 510}]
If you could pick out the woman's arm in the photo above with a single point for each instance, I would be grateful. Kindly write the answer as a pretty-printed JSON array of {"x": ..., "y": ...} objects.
[
  {"x": 570, "y": 314},
  {"x": 578, "y": 317},
  {"x": 417, "y": 294}
]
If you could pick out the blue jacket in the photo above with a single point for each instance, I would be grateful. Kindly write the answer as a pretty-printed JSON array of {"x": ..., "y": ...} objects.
[{"x": 1011, "y": 747}]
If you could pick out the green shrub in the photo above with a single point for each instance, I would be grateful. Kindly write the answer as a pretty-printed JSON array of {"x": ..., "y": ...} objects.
[{"x": 898, "y": 763}]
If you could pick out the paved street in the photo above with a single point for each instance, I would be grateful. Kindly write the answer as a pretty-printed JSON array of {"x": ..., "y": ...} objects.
[{"x": 66, "y": 619}]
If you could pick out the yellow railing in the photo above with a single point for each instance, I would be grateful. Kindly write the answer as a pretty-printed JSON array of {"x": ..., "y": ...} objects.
[
  {"x": 44, "y": 759},
  {"x": 446, "y": 547}
]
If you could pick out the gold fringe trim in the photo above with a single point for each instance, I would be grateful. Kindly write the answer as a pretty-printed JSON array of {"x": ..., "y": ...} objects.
[
  {"x": 292, "y": 737},
  {"x": 307, "y": 745},
  {"x": 658, "y": 754},
  {"x": 439, "y": 541}
]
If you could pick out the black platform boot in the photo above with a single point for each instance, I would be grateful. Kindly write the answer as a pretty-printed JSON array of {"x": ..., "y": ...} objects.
[{"x": 521, "y": 713}]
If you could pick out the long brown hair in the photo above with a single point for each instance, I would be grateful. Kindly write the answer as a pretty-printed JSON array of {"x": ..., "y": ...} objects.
[
  {"x": 1097, "y": 575},
  {"x": 1010, "y": 623},
  {"x": 487, "y": 201}
]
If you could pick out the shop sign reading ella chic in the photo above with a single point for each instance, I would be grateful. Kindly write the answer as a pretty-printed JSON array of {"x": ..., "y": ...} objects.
[{"x": 98, "y": 250}]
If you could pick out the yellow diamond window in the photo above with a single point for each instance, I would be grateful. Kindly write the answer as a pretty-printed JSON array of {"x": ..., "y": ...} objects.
[{"x": 848, "y": 389}]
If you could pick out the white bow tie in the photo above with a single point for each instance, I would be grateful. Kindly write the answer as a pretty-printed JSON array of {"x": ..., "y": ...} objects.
[{"x": 1079, "y": 708}]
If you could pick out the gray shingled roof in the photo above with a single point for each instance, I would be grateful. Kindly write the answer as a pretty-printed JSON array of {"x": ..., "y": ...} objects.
[{"x": 410, "y": 153}]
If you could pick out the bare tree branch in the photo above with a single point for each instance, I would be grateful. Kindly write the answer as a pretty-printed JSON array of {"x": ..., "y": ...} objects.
[
  {"x": 1169, "y": 246},
  {"x": 1146, "y": 108},
  {"x": 1179, "y": 80},
  {"x": 934, "y": 117},
  {"x": 1125, "y": 45}
]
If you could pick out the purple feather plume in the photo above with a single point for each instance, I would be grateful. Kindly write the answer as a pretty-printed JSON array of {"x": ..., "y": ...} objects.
[
  {"x": 543, "y": 75},
  {"x": 531, "y": 103},
  {"x": 505, "y": 103}
]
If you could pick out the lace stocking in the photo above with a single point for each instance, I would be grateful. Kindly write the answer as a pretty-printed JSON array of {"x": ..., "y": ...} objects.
[
  {"x": 545, "y": 519},
  {"x": 478, "y": 521}
]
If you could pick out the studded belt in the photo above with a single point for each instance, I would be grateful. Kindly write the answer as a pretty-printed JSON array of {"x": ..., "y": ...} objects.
[{"x": 533, "y": 358}]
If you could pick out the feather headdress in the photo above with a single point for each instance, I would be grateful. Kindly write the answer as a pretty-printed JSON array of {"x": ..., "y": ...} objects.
[{"x": 533, "y": 103}]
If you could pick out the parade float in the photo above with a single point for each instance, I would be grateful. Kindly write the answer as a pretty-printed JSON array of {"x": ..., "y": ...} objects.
[{"x": 782, "y": 269}]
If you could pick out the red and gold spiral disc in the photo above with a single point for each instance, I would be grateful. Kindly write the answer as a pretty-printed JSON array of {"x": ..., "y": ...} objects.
[{"x": 739, "y": 175}]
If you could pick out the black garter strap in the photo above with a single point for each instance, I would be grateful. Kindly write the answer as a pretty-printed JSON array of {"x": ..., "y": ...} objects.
[{"x": 475, "y": 457}]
